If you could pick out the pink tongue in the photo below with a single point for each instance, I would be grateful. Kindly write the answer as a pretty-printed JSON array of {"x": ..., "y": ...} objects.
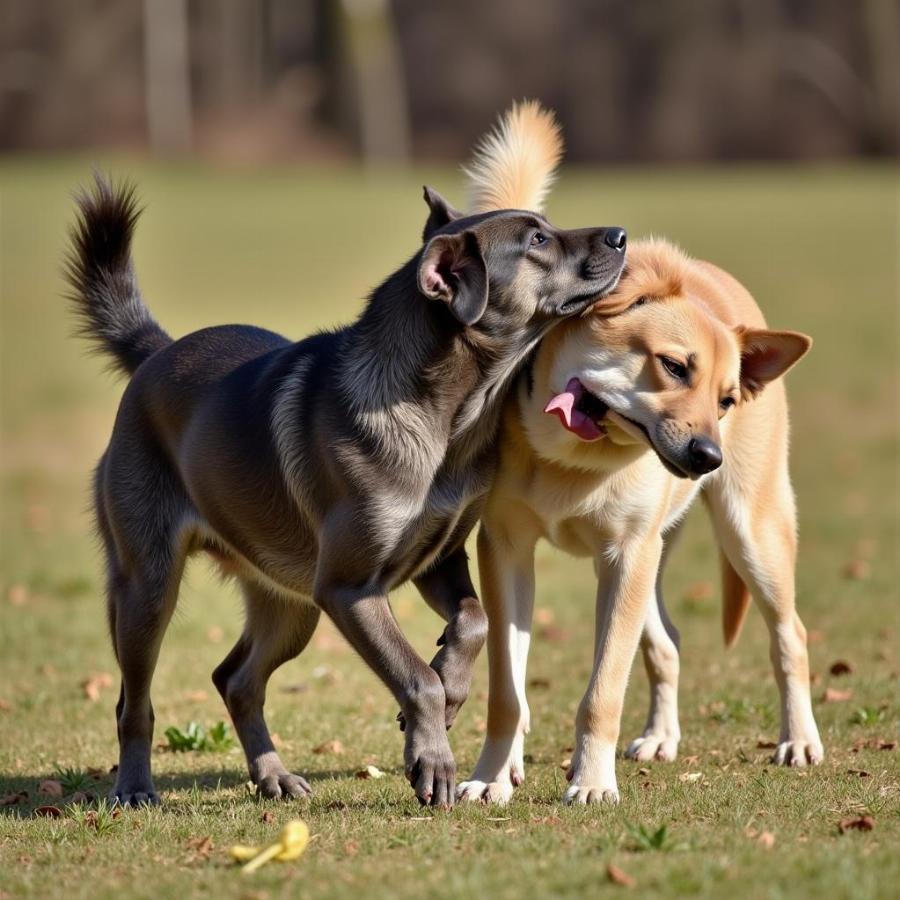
[{"x": 563, "y": 406}]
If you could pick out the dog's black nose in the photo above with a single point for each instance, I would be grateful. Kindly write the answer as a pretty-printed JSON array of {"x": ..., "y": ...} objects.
[
  {"x": 615, "y": 238},
  {"x": 703, "y": 455}
]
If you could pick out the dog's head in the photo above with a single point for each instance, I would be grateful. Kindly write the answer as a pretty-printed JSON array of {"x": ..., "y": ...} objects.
[
  {"x": 659, "y": 368},
  {"x": 500, "y": 272}
]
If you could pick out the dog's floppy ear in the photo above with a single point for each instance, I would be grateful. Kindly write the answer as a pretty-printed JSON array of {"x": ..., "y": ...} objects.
[
  {"x": 767, "y": 355},
  {"x": 441, "y": 213},
  {"x": 452, "y": 269}
]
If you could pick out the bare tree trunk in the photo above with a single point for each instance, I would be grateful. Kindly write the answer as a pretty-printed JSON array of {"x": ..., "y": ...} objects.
[
  {"x": 167, "y": 75},
  {"x": 881, "y": 20},
  {"x": 240, "y": 54},
  {"x": 372, "y": 76}
]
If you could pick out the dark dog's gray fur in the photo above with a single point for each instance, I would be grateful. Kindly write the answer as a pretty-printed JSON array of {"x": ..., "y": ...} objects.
[{"x": 321, "y": 473}]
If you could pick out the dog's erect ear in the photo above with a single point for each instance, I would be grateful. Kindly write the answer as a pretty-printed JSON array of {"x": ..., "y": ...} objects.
[
  {"x": 452, "y": 269},
  {"x": 767, "y": 355},
  {"x": 441, "y": 213}
]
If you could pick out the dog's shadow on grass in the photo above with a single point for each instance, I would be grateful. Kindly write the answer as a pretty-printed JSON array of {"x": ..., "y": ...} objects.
[{"x": 21, "y": 795}]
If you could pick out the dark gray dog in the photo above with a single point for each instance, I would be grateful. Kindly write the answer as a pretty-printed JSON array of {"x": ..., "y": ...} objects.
[{"x": 323, "y": 473}]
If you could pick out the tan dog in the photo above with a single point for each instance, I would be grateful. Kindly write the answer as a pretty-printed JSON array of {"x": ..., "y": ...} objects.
[{"x": 668, "y": 388}]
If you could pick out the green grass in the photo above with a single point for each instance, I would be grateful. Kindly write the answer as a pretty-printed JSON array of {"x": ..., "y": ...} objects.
[{"x": 298, "y": 249}]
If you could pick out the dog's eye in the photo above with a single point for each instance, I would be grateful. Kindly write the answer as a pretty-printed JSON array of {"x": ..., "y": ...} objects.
[
  {"x": 726, "y": 403},
  {"x": 674, "y": 368},
  {"x": 639, "y": 302},
  {"x": 537, "y": 239}
]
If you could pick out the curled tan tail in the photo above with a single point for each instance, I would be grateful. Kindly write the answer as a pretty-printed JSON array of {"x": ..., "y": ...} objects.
[
  {"x": 514, "y": 165},
  {"x": 735, "y": 601}
]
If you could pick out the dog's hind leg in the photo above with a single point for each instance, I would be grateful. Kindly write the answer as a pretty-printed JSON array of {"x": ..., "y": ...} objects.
[
  {"x": 448, "y": 590},
  {"x": 758, "y": 536},
  {"x": 660, "y": 647},
  {"x": 276, "y": 631},
  {"x": 142, "y": 589}
]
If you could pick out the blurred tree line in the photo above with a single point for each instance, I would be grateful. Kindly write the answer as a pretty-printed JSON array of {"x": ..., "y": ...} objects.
[{"x": 387, "y": 79}]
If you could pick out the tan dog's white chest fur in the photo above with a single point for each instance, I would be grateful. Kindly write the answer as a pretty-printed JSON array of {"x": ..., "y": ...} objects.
[{"x": 669, "y": 388}]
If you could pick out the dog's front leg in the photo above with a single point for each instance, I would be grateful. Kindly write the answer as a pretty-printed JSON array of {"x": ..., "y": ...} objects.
[
  {"x": 625, "y": 588},
  {"x": 364, "y": 618},
  {"x": 507, "y": 581},
  {"x": 448, "y": 590}
]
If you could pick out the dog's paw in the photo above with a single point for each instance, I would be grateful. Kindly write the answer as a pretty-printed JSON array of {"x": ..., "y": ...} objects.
[
  {"x": 431, "y": 770},
  {"x": 586, "y": 794},
  {"x": 285, "y": 785},
  {"x": 495, "y": 792},
  {"x": 798, "y": 753},
  {"x": 134, "y": 797},
  {"x": 663, "y": 747}
]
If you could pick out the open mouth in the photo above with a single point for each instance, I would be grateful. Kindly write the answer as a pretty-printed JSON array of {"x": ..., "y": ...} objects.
[
  {"x": 579, "y": 411},
  {"x": 583, "y": 413}
]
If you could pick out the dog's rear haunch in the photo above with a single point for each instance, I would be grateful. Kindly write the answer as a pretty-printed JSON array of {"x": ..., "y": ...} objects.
[{"x": 321, "y": 473}]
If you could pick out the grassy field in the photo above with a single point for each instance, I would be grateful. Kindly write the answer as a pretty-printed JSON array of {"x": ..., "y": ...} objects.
[{"x": 293, "y": 250}]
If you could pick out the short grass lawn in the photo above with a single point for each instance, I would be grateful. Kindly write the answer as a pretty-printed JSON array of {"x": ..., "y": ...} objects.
[{"x": 294, "y": 249}]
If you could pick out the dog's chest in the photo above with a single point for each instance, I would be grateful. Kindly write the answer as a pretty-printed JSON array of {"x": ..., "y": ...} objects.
[
  {"x": 586, "y": 514},
  {"x": 420, "y": 534}
]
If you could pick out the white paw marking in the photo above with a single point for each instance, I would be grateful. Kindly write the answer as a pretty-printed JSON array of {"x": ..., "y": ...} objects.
[
  {"x": 586, "y": 794},
  {"x": 495, "y": 792},
  {"x": 798, "y": 753},
  {"x": 663, "y": 747}
]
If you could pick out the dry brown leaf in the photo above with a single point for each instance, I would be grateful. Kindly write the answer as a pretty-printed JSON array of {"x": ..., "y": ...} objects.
[
  {"x": 643, "y": 771},
  {"x": 96, "y": 683},
  {"x": 619, "y": 876},
  {"x": 370, "y": 772},
  {"x": 836, "y": 695},
  {"x": 766, "y": 745},
  {"x": 351, "y": 848},
  {"x": 48, "y": 812},
  {"x": 37, "y": 518},
  {"x": 859, "y": 773},
  {"x": 539, "y": 683},
  {"x": 856, "y": 823},
  {"x": 766, "y": 839},
  {"x": 565, "y": 764},
  {"x": 14, "y": 798},
  {"x": 840, "y": 667},
  {"x": 857, "y": 569},
  {"x": 268, "y": 817},
  {"x": 553, "y": 633},
  {"x": 887, "y": 745},
  {"x": 699, "y": 590},
  {"x": 690, "y": 777},
  {"x": 17, "y": 594},
  {"x": 690, "y": 760},
  {"x": 50, "y": 787},
  {"x": 334, "y": 746},
  {"x": 200, "y": 847}
]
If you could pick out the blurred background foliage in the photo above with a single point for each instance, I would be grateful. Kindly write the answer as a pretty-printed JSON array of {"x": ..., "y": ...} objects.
[{"x": 387, "y": 80}]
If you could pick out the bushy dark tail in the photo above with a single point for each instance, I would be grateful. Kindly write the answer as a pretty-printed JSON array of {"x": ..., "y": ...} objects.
[{"x": 100, "y": 273}]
